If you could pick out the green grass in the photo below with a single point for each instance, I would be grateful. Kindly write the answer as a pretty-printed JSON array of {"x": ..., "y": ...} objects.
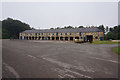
[
  {"x": 117, "y": 50},
  {"x": 105, "y": 42}
]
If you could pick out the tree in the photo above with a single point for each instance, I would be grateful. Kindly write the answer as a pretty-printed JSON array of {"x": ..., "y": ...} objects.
[
  {"x": 114, "y": 33},
  {"x": 66, "y": 27},
  {"x": 5, "y": 34},
  {"x": 76, "y": 27},
  {"x": 102, "y": 27},
  {"x": 33, "y": 28},
  {"x": 107, "y": 28},
  {"x": 12, "y": 28},
  {"x": 69, "y": 27},
  {"x": 58, "y": 28},
  {"x": 109, "y": 35},
  {"x": 80, "y": 27},
  {"x": 116, "y": 29},
  {"x": 51, "y": 28},
  {"x": 111, "y": 29}
]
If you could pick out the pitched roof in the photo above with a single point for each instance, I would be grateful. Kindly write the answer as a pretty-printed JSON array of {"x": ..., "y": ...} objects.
[{"x": 93, "y": 29}]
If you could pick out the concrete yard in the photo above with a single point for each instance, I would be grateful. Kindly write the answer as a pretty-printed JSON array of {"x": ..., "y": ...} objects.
[{"x": 58, "y": 59}]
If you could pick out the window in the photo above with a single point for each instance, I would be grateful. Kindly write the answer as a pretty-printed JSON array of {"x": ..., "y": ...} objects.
[
  {"x": 80, "y": 33},
  {"x": 65, "y": 33},
  {"x": 61, "y": 34},
  {"x": 84, "y": 38},
  {"x": 45, "y": 38},
  {"x": 101, "y": 38},
  {"x": 57, "y": 34},
  {"x": 70, "y": 33},
  {"x": 53, "y": 34}
]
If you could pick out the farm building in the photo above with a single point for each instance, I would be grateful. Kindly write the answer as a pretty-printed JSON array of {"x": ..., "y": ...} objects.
[{"x": 83, "y": 34}]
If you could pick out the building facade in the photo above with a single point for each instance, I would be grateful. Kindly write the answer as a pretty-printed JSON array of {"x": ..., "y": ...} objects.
[{"x": 83, "y": 34}]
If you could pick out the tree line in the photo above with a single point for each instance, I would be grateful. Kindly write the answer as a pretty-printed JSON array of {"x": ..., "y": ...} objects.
[
  {"x": 11, "y": 28},
  {"x": 113, "y": 33},
  {"x": 67, "y": 27}
]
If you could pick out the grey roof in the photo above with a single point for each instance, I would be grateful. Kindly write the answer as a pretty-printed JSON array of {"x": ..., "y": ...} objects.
[{"x": 93, "y": 29}]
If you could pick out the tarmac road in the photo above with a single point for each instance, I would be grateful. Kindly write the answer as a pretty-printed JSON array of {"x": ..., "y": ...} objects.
[{"x": 58, "y": 59}]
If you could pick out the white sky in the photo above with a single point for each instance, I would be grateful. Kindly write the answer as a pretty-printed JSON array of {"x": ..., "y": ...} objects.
[
  {"x": 59, "y": 0},
  {"x": 58, "y": 14}
]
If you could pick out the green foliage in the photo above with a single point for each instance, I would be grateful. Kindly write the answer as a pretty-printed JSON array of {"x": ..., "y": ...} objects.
[
  {"x": 107, "y": 28},
  {"x": 11, "y": 28},
  {"x": 5, "y": 34},
  {"x": 51, "y": 28},
  {"x": 33, "y": 28},
  {"x": 58, "y": 28},
  {"x": 80, "y": 27},
  {"x": 109, "y": 35},
  {"x": 102, "y": 27},
  {"x": 105, "y": 42},
  {"x": 67, "y": 27},
  {"x": 114, "y": 33}
]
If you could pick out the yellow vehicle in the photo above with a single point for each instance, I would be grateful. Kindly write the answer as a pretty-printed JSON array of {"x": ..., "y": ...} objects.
[{"x": 78, "y": 41}]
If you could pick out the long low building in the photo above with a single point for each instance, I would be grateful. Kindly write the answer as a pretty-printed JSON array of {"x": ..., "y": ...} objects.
[{"x": 83, "y": 34}]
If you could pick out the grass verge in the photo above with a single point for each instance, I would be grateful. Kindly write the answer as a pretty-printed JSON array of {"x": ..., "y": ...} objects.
[
  {"x": 117, "y": 50},
  {"x": 105, "y": 42}
]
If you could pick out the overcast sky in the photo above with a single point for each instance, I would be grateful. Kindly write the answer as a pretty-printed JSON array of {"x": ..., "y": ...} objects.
[{"x": 45, "y": 15}]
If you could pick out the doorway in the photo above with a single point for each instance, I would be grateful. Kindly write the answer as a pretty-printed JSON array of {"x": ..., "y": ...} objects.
[
  {"x": 52, "y": 38},
  {"x": 42, "y": 38},
  {"x": 57, "y": 38},
  {"x": 33, "y": 38},
  {"x": 48, "y": 38},
  {"x": 27, "y": 37},
  {"x": 39, "y": 37},
  {"x": 66, "y": 38},
  {"x": 71, "y": 38},
  {"x": 61, "y": 38},
  {"x": 89, "y": 38},
  {"x": 30, "y": 38}
]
